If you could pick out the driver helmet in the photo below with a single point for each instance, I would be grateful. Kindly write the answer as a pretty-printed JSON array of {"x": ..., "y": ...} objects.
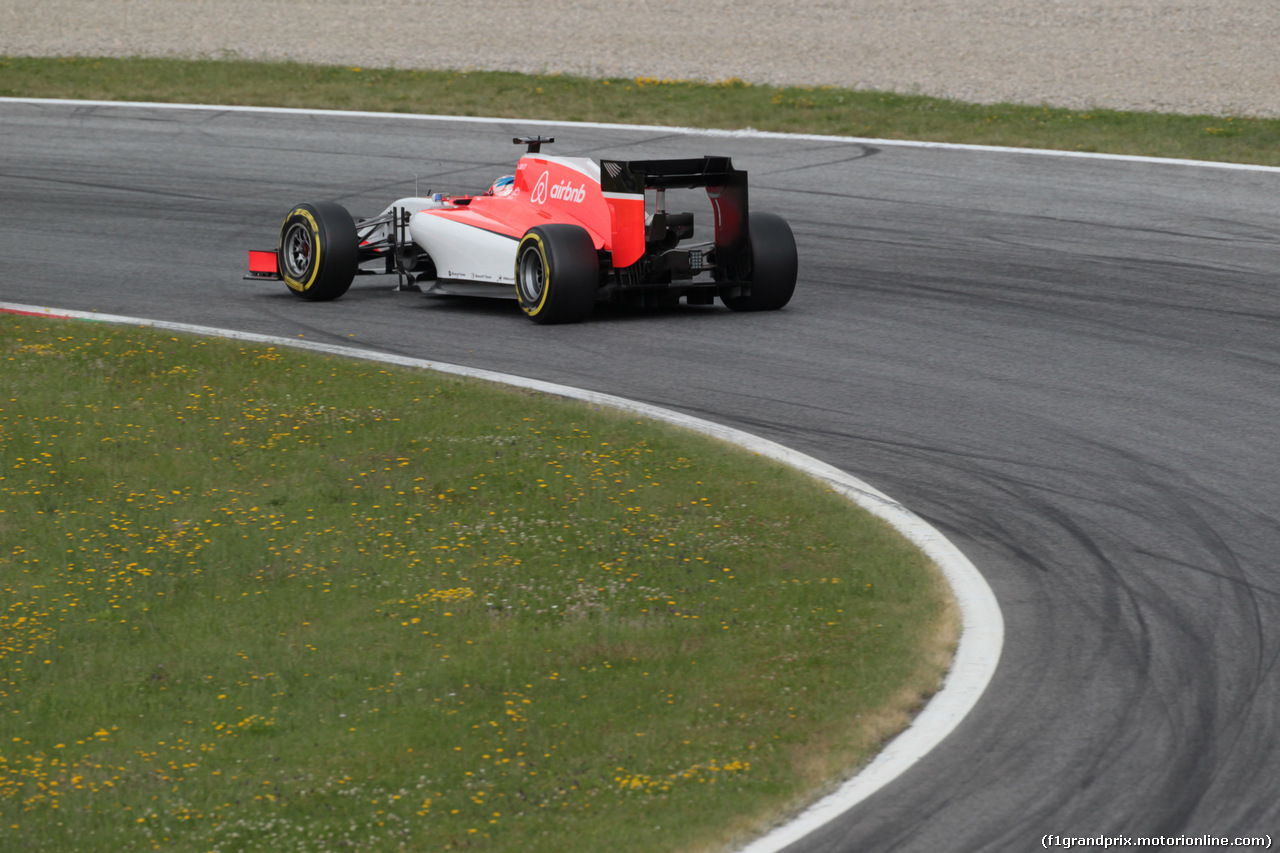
[{"x": 503, "y": 186}]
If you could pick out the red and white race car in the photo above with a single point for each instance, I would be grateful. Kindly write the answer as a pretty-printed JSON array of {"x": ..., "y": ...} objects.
[{"x": 557, "y": 235}]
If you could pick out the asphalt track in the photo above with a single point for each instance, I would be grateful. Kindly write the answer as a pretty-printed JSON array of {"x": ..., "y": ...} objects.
[{"x": 1067, "y": 365}]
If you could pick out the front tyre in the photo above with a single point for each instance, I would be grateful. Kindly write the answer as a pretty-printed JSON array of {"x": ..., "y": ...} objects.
[
  {"x": 773, "y": 266},
  {"x": 557, "y": 274},
  {"x": 319, "y": 251}
]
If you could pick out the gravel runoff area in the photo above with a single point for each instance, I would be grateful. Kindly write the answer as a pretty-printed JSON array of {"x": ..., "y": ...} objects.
[{"x": 1190, "y": 56}]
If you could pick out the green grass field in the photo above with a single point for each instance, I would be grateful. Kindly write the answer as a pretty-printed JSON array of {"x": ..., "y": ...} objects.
[
  {"x": 256, "y": 599},
  {"x": 730, "y": 104}
]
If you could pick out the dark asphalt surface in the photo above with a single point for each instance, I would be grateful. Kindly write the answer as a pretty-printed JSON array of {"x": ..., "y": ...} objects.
[{"x": 1070, "y": 367}]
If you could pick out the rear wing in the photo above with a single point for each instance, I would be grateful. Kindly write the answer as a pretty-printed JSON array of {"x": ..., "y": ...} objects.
[{"x": 624, "y": 182}]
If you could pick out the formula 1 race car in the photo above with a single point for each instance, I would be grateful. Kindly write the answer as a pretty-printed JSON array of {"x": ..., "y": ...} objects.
[{"x": 559, "y": 234}]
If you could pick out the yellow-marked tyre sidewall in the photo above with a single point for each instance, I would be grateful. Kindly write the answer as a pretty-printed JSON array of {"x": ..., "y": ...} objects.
[
  {"x": 536, "y": 309},
  {"x": 313, "y": 270},
  {"x": 570, "y": 273},
  {"x": 332, "y": 258}
]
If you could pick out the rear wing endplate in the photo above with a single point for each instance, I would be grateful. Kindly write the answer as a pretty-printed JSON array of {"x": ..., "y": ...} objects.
[{"x": 624, "y": 183}]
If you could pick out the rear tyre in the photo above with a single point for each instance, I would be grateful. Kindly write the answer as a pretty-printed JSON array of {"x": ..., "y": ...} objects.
[
  {"x": 772, "y": 266},
  {"x": 318, "y": 251},
  {"x": 557, "y": 274}
]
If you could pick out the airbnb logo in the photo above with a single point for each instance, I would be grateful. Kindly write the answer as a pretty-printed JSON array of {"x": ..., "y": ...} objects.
[
  {"x": 562, "y": 191},
  {"x": 540, "y": 190},
  {"x": 566, "y": 191}
]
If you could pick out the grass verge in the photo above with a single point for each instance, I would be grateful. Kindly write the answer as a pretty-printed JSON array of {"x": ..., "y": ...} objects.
[
  {"x": 260, "y": 599},
  {"x": 730, "y": 104}
]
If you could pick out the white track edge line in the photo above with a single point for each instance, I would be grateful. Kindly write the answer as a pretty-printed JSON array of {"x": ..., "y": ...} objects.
[
  {"x": 982, "y": 624},
  {"x": 748, "y": 133}
]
